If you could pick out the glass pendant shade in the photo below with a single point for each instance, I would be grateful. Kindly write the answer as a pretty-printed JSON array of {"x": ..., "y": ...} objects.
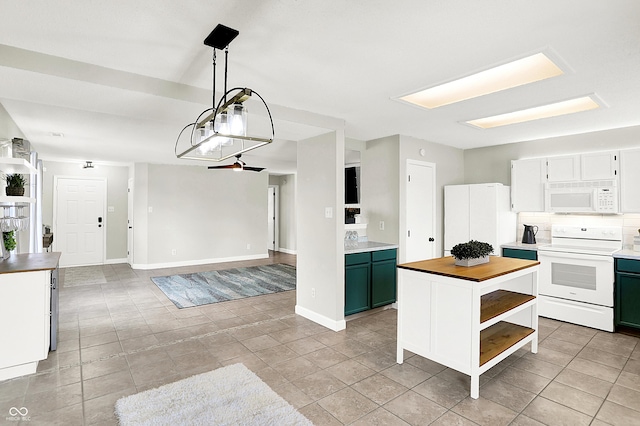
[
  {"x": 239, "y": 120},
  {"x": 222, "y": 126}
]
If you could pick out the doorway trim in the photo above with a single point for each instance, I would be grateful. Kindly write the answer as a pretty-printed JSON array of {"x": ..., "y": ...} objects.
[
  {"x": 276, "y": 214},
  {"x": 104, "y": 210},
  {"x": 403, "y": 203}
]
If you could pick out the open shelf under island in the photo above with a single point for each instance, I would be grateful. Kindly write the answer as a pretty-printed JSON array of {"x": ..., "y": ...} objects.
[{"x": 467, "y": 318}]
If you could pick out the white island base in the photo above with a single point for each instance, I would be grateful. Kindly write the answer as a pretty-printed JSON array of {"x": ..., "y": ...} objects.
[{"x": 467, "y": 318}]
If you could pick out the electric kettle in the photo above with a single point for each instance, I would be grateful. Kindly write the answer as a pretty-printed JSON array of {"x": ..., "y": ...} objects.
[{"x": 529, "y": 236}]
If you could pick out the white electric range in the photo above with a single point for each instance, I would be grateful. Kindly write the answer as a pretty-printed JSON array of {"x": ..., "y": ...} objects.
[{"x": 576, "y": 282}]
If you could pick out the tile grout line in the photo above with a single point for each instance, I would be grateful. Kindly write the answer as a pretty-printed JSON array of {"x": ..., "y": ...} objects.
[{"x": 156, "y": 346}]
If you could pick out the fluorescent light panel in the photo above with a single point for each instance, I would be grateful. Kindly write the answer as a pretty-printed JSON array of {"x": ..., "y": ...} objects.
[
  {"x": 522, "y": 71},
  {"x": 584, "y": 103}
]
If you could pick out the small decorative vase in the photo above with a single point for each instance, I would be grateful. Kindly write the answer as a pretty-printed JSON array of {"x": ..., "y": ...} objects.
[
  {"x": 14, "y": 191},
  {"x": 472, "y": 262}
]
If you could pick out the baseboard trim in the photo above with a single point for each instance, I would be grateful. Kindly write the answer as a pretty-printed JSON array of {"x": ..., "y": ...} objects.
[
  {"x": 146, "y": 266},
  {"x": 321, "y": 319},
  {"x": 114, "y": 261},
  {"x": 284, "y": 250}
]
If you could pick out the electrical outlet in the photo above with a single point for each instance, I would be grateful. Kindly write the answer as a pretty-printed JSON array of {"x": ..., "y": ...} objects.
[
  {"x": 248, "y": 246},
  {"x": 150, "y": 209},
  {"x": 313, "y": 293},
  {"x": 328, "y": 212},
  {"x": 381, "y": 226},
  {"x": 174, "y": 252}
]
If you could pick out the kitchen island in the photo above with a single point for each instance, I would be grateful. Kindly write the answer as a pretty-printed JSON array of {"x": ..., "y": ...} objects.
[
  {"x": 467, "y": 318},
  {"x": 25, "y": 311}
]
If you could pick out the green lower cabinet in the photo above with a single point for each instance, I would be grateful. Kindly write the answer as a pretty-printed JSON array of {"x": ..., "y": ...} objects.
[
  {"x": 627, "y": 309},
  {"x": 356, "y": 288},
  {"x": 383, "y": 283},
  {"x": 370, "y": 280},
  {"x": 520, "y": 254}
]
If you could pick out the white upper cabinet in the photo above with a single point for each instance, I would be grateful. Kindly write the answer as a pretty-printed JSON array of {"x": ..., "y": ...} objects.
[
  {"x": 527, "y": 185},
  {"x": 630, "y": 181},
  {"x": 563, "y": 169},
  {"x": 600, "y": 165}
]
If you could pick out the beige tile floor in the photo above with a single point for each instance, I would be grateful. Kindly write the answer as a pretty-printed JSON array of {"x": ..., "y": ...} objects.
[{"x": 124, "y": 336}]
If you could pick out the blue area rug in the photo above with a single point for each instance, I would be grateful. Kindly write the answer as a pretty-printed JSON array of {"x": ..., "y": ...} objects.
[{"x": 203, "y": 288}]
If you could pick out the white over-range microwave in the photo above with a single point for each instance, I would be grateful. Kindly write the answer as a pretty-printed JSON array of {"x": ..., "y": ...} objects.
[{"x": 597, "y": 196}]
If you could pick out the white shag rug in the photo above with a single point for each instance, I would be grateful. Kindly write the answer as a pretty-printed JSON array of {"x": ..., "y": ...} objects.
[{"x": 231, "y": 395}]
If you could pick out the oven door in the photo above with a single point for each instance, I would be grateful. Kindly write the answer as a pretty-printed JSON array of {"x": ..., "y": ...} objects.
[{"x": 581, "y": 277}]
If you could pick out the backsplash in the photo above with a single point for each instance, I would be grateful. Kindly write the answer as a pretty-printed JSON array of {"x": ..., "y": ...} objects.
[{"x": 630, "y": 224}]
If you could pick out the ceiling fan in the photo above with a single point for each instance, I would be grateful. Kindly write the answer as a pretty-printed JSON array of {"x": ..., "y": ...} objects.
[{"x": 238, "y": 166}]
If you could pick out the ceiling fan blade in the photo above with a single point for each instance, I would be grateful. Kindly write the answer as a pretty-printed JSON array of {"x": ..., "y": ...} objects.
[
  {"x": 228, "y": 166},
  {"x": 253, "y": 169}
]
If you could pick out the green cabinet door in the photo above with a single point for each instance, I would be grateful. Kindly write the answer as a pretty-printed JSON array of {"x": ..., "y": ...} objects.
[
  {"x": 356, "y": 283},
  {"x": 520, "y": 254},
  {"x": 627, "y": 309},
  {"x": 383, "y": 283}
]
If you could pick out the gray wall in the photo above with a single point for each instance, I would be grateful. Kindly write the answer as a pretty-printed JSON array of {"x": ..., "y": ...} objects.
[
  {"x": 320, "y": 260},
  {"x": 380, "y": 177},
  {"x": 383, "y": 191},
  {"x": 116, "y": 221},
  {"x": 493, "y": 164},
  {"x": 204, "y": 215},
  {"x": 450, "y": 170}
]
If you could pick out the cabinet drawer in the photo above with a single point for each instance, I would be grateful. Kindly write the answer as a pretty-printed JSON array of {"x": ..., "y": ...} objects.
[
  {"x": 357, "y": 258},
  {"x": 379, "y": 255},
  {"x": 520, "y": 254},
  {"x": 628, "y": 265}
]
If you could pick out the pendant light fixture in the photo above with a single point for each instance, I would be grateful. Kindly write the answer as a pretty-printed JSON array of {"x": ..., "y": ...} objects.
[{"x": 221, "y": 132}]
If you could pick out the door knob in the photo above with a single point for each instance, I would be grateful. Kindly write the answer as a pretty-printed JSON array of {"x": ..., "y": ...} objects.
[{"x": 431, "y": 239}]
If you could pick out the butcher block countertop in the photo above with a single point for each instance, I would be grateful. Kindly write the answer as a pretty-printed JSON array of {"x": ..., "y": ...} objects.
[
  {"x": 29, "y": 262},
  {"x": 445, "y": 266}
]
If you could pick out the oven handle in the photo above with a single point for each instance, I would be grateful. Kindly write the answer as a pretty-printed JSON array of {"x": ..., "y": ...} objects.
[{"x": 577, "y": 256}]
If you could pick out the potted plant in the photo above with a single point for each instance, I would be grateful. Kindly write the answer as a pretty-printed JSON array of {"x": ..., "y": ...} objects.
[
  {"x": 15, "y": 184},
  {"x": 9, "y": 241},
  {"x": 471, "y": 253}
]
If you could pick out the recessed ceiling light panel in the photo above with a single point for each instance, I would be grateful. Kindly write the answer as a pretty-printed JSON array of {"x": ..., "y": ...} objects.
[
  {"x": 522, "y": 71},
  {"x": 571, "y": 106}
]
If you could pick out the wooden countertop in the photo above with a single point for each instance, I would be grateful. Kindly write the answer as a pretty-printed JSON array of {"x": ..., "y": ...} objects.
[
  {"x": 445, "y": 266},
  {"x": 30, "y": 262}
]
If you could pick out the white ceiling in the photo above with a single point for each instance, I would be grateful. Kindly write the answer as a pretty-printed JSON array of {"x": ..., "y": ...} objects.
[{"x": 120, "y": 78}]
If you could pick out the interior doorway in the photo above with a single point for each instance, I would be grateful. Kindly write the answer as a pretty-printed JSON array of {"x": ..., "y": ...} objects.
[
  {"x": 420, "y": 211},
  {"x": 79, "y": 220},
  {"x": 273, "y": 218},
  {"x": 130, "y": 221}
]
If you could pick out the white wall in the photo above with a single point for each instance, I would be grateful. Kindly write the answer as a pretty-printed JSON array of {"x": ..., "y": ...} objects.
[
  {"x": 116, "y": 221},
  {"x": 204, "y": 215},
  {"x": 320, "y": 260},
  {"x": 8, "y": 128}
]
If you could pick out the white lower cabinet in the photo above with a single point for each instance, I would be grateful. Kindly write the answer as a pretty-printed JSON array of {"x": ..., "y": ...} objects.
[{"x": 25, "y": 299}]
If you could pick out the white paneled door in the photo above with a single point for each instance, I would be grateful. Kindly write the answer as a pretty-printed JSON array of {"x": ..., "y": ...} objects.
[
  {"x": 420, "y": 211},
  {"x": 79, "y": 222}
]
